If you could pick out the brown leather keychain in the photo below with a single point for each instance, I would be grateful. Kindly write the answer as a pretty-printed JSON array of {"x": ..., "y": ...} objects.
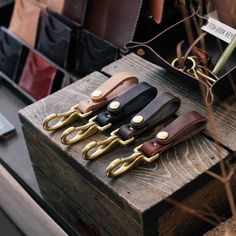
[
  {"x": 109, "y": 90},
  {"x": 155, "y": 113},
  {"x": 180, "y": 130}
]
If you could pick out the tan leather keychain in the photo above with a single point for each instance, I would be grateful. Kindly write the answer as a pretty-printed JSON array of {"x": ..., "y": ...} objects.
[{"x": 109, "y": 90}]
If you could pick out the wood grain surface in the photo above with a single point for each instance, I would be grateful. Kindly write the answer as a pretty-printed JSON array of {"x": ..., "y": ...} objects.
[
  {"x": 23, "y": 210},
  {"x": 139, "y": 191},
  {"x": 225, "y": 113}
]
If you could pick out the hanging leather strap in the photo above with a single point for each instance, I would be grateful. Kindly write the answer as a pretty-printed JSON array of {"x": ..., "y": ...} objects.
[
  {"x": 109, "y": 90},
  {"x": 181, "y": 129},
  {"x": 159, "y": 110},
  {"x": 128, "y": 103}
]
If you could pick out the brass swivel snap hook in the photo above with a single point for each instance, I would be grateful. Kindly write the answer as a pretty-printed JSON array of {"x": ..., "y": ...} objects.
[
  {"x": 64, "y": 118},
  {"x": 122, "y": 166},
  {"x": 103, "y": 146},
  {"x": 82, "y": 132}
]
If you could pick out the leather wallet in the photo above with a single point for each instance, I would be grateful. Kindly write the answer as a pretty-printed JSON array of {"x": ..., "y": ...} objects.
[
  {"x": 25, "y": 20},
  {"x": 94, "y": 53},
  {"x": 38, "y": 76},
  {"x": 12, "y": 55},
  {"x": 75, "y": 10},
  {"x": 57, "y": 39},
  {"x": 114, "y": 21}
]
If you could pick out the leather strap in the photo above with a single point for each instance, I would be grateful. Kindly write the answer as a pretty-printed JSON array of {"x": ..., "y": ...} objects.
[
  {"x": 181, "y": 129},
  {"x": 159, "y": 110},
  {"x": 128, "y": 103},
  {"x": 109, "y": 90}
]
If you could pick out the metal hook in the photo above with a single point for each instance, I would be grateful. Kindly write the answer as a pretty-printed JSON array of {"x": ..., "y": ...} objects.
[
  {"x": 103, "y": 146},
  {"x": 64, "y": 118},
  {"x": 128, "y": 163},
  {"x": 83, "y": 132}
]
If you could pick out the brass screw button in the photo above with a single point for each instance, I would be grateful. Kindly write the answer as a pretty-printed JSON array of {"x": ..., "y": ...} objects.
[
  {"x": 114, "y": 105},
  {"x": 137, "y": 119},
  {"x": 162, "y": 135},
  {"x": 140, "y": 52},
  {"x": 96, "y": 93}
]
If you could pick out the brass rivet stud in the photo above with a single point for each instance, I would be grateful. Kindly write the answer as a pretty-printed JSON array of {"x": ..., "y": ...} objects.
[
  {"x": 140, "y": 52},
  {"x": 96, "y": 93},
  {"x": 162, "y": 135},
  {"x": 137, "y": 119},
  {"x": 114, "y": 105}
]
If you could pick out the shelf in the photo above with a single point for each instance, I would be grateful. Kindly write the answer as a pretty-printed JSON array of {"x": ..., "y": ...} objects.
[
  {"x": 71, "y": 75},
  {"x": 24, "y": 95}
]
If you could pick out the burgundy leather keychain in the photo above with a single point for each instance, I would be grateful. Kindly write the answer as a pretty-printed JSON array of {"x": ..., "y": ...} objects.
[
  {"x": 106, "y": 92},
  {"x": 180, "y": 130},
  {"x": 155, "y": 113}
]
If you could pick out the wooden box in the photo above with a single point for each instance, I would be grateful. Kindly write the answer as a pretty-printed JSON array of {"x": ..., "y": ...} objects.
[{"x": 134, "y": 204}]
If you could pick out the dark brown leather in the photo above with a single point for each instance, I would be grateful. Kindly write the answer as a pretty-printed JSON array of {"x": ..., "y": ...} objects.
[
  {"x": 75, "y": 10},
  {"x": 226, "y": 11},
  {"x": 180, "y": 130},
  {"x": 155, "y": 113},
  {"x": 154, "y": 50},
  {"x": 114, "y": 21},
  {"x": 25, "y": 20},
  {"x": 130, "y": 102}
]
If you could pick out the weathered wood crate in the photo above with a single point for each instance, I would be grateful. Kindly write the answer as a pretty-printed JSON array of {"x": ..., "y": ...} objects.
[{"x": 133, "y": 204}]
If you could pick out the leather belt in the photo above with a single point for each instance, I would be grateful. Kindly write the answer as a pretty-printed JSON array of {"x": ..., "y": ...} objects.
[
  {"x": 181, "y": 129},
  {"x": 122, "y": 107},
  {"x": 110, "y": 89},
  {"x": 159, "y": 110}
]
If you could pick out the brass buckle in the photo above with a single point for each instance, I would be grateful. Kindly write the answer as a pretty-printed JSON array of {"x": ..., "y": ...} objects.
[
  {"x": 194, "y": 70},
  {"x": 122, "y": 166},
  {"x": 104, "y": 146},
  {"x": 83, "y": 132},
  {"x": 64, "y": 118}
]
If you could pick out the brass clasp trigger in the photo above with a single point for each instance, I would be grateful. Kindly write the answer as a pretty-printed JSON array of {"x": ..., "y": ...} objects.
[
  {"x": 103, "y": 146},
  {"x": 126, "y": 164},
  {"x": 83, "y": 132},
  {"x": 64, "y": 118}
]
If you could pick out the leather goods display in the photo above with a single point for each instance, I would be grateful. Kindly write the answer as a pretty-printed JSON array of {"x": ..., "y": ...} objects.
[
  {"x": 54, "y": 5},
  {"x": 155, "y": 113},
  {"x": 155, "y": 51},
  {"x": 120, "y": 108},
  {"x": 180, "y": 130},
  {"x": 114, "y": 21},
  {"x": 12, "y": 55},
  {"x": 75, "y": 10},
  {"x": 38, "y": 76},
  {"x": 57, "y": 38},
  {"x": 25, "y": 20},
  {"x": 93, "y": 53},
  {"x": 110, "y": 89}
]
